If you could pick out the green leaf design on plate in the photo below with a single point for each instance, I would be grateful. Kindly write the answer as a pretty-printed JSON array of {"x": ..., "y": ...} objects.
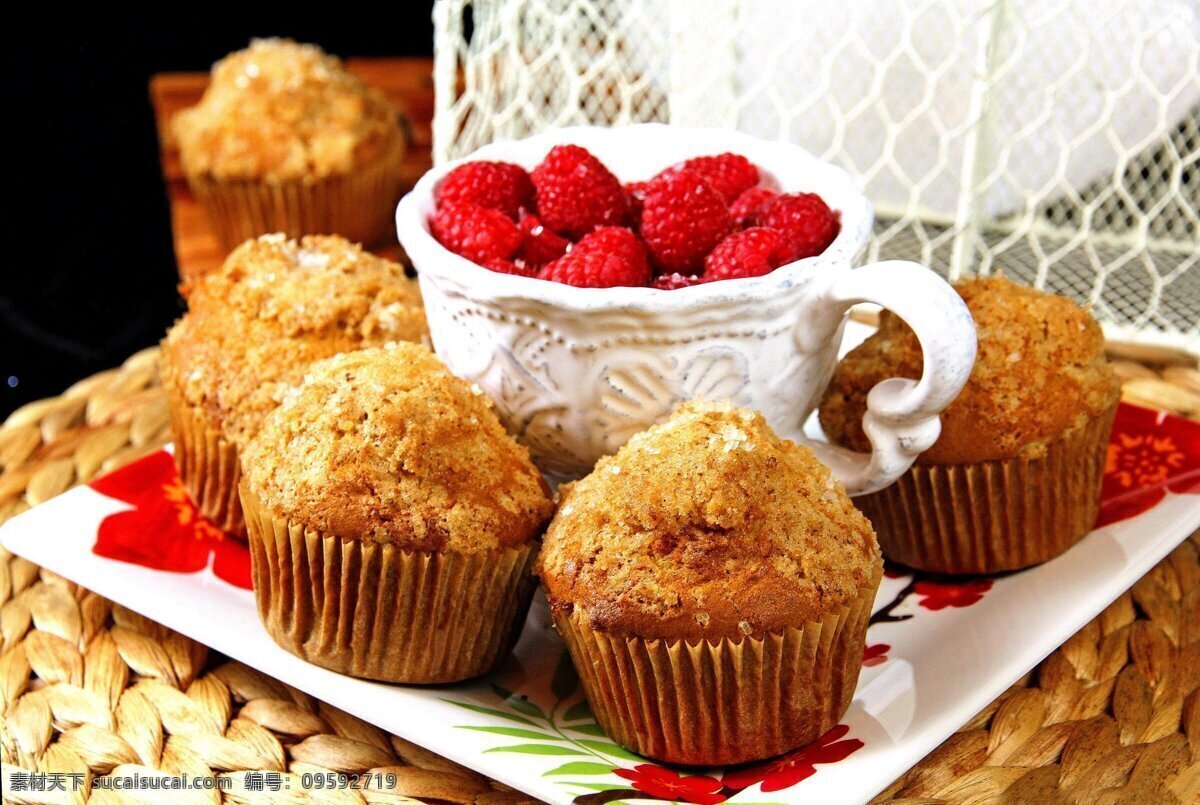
[
  {"x": 588, "y": 729},
  {"x": 516, "y": 732},
  {"x": 535, "y": 749},
  {"x": 565, "y": 680},
  {"x": 580, "y": 767},
  {"x": 519, "y": 703},
  {"x": 601, "y": 786},
  {"x": 610, "y": 749},
  {"x": 488, "y": 711},
  {"x": 578, "y": 712}
]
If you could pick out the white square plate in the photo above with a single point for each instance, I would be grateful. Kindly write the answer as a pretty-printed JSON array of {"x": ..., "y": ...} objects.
[{"x": 938, "y": 651}]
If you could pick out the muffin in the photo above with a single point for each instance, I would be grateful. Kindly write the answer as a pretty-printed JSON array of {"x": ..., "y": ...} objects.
[
  {"x": 285, "y": 139},
  {"x": 1014, "y": 479},
  {"x": 252, "y": 329},
  {"x": 393, "y": 521},
  {"x": 713, "y": 584}
]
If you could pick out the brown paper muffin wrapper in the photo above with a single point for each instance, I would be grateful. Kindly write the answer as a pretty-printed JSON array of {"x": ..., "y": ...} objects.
[
  {"x": 722, "y": 702},
  {"x": 994, "y": 515},
  {"x": 376, "y": 611},
  {"x": 358, "y": 205},
  {"x": 208, "y": 464}
]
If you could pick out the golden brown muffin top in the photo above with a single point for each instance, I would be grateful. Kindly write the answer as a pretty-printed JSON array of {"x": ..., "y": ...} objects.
[
  {"x": 281, "y": 110},
  {"x": 384, "y": 444},
  {"x": 707, "y": 526},
  {"x": 276, "y": 306},
  {"x": 1040, "y": 370}
]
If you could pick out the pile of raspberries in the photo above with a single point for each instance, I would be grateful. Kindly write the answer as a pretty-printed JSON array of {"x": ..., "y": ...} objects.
[{"x": 571, "y": 220}]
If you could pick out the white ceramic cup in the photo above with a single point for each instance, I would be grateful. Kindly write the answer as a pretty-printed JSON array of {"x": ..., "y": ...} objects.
[{"x": 575, "y": 372}]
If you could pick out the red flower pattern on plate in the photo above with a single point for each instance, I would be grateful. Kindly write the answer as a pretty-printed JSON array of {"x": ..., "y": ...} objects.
[
  {"x": 784, "y": 772},
  {"x": 937, "y": 595},
  {"x": 164, "y": 531},
  {"x": 670, "y": 785},
  {"x": 875, "y": 654},
  {"x": 1150, "y": 453}
]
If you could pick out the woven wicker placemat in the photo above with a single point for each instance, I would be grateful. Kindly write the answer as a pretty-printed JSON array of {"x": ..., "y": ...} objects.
[{"x": 91, "y": 689}]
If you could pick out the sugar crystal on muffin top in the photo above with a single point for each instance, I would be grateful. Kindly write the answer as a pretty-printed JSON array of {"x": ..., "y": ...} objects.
[
  {"x": 707, "y": 526},
  {"x": 384, "y": 444}
]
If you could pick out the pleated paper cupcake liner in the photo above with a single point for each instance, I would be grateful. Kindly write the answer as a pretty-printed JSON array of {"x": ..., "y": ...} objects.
[
  {"x": 208, "y": 464},
  {"x": 722, "y": 702},
  {"x": 376, "y": 611},
  {"x": 358, "y": 205},
  {"x": 995, "y": 515}
]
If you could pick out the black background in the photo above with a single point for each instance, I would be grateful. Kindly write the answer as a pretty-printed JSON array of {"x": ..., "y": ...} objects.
[{"x": 89, "y": 273}]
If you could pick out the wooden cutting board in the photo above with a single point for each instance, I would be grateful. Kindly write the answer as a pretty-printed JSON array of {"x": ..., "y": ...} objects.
[{"x": 407, "y": 82}]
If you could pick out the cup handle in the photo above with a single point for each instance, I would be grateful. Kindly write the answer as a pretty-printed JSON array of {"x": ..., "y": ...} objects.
[{"x": 901, "y": 420}]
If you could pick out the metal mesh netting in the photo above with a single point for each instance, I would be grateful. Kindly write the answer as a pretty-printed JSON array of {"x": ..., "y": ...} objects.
[{"x": 1053, "y": 140}]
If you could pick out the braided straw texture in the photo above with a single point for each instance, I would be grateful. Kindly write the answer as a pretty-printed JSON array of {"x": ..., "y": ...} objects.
[{"x": 89, "y": 687}]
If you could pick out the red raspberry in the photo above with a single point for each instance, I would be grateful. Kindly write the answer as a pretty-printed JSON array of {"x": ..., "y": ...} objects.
[
  {"x": 621, "y": 242},
  {"x": 592, "y": 270},
  {"x": 729, "y": 174},
  {"x": 517, "y": 267},
  {"x": 576, "y": 193},
  {"x": 749, "y": 205},
  {"x": 606, "y": 258},
  {"x": 682, "y": 220},
  {"x": 806, "y": 223},
  {"x": 495, "y": 185},
  {"x": 540, "y": 246},
  {"x": 475, "y": 232},
  {"x": 749, "y": 253},
  {"x": 671, "y": 282}
]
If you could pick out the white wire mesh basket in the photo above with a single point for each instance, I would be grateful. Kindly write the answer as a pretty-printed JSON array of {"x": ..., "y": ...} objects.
[{"x": 1054, "y": 140}]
